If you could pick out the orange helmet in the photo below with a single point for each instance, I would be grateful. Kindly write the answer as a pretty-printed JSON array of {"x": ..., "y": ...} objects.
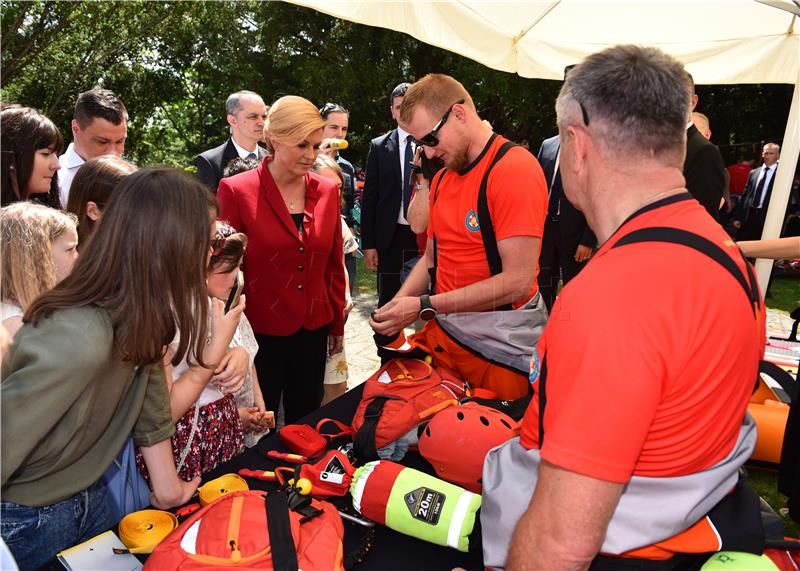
[{"x": 458, "y": 438}]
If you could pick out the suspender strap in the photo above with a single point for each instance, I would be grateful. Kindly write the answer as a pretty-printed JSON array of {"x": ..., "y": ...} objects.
[
  {"x": 432, "y": 270},
  {"x": 485, "y": 220},
  {"x": 704, "y": 246},
  {"x": 284, "y": 555}
]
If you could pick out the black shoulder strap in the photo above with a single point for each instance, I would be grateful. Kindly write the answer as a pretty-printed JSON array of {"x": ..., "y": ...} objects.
[
  {"x": 485, "y": 219},
  {"x": 364, "y": 440},
  {"x": 704, "y": 246},
  {"x": 284, "y": 554},
  {"x": 432, "y": 270}
]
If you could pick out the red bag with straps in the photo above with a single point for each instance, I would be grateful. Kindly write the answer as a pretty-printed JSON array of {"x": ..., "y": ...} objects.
[
  {"x": 398, "y": 397},
  {"x": 307, "y": 440},
  {"x": 254, "y": 530}
]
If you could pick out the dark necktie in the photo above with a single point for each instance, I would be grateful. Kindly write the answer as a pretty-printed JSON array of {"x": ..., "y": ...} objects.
[
  {"x": 409, "y": 156},
  {"x": 252, "y": 156},
  {"x": 760, "y": 189},
  {"x": 556, "y": 192}
]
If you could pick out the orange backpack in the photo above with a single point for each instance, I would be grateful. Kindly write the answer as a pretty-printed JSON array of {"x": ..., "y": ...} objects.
[
  {"x": 398, "y": 397},
  {"x": 255, "y": 530}
]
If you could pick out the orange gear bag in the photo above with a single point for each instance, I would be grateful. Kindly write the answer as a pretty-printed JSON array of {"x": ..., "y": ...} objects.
[
  {"x": 252, "y": 529},
  {"x": 401, "y": 395}
]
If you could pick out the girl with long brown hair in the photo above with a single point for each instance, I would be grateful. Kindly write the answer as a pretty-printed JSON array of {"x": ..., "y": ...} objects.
[
  {"x": 91, "y": 190},
  {"x": 85, "y": 371}
]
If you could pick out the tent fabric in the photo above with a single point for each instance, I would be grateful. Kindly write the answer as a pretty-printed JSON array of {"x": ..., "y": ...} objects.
[{"x": 719, "y": 41}]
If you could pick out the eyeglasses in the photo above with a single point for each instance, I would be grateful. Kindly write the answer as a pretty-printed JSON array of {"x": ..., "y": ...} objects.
[
  {"x": 431, "y": 140},
  {"x": 329, "y": 108},
  {"x": 217, "y": 244}
]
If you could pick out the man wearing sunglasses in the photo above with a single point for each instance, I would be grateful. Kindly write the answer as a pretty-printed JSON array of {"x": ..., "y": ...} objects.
[
  {"x": 386, "y": 236},
  {"x": 483, "y": 309}
]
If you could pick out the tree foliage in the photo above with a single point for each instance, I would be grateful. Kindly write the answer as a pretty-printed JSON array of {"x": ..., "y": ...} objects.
[{"x": 174, "y": 63}]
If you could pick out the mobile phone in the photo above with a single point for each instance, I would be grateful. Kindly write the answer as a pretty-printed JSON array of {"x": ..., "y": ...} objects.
[{"x": 236, "y": 291}]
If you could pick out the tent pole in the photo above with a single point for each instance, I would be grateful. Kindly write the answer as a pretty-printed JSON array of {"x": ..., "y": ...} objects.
[{"x": 782, "y": 186}]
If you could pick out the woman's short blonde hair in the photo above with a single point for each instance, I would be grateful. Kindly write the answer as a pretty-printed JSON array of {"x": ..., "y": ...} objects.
[
  {"x": 290, "y": 120},
  {"x": 27, "y": 267}
]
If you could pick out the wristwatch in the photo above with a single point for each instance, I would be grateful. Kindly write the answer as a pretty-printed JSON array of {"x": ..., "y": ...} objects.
[{"x": 426, "y": 310}]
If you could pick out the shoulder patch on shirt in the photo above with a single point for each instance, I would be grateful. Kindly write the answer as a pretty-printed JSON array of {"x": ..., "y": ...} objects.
[
  {"x": 471, "y": 221},
  {"x": 533, "y": 376}
]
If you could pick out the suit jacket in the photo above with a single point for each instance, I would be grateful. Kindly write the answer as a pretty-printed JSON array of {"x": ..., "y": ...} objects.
[
  {"x": 745, "y": 206},
  {"x": 383, "y": 192},
  {"x": 704, "y": 171},
  {"x": 291, "y": 280},
  {"x": 212, "y": 163},
  {"x": 572, "y": 225}
]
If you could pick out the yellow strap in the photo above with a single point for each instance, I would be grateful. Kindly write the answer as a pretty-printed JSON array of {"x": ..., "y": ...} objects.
[
  {"x": 141, "y": 531},
  {"x": 218, "y": 487}
]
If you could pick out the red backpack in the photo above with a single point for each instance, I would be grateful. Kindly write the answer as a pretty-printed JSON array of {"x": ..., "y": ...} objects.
[
  {"x": 398, "y": 397},
  {"x": 255, "y": 530}
]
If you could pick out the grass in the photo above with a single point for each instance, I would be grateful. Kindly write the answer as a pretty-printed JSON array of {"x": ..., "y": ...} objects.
[
  {"x": 366, "y": 281},
  {"x": 784, "y": 293},
  {"x": 765, "y": 483}
]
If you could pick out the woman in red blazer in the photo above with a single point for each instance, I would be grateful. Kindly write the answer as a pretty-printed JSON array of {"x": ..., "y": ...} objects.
[{"x": 294, "y": 274}]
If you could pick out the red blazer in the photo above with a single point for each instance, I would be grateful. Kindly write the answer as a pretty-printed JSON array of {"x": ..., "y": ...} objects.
[{"x": 291, "y": 281}]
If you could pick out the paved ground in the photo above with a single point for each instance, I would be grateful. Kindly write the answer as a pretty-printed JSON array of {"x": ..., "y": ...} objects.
[{"x": 362, "y": 359}]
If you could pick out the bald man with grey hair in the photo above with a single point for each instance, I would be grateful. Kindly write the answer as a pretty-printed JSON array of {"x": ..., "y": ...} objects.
[
  {"x": 637, "y": 426},
  {"x": 246, "y": 114}
]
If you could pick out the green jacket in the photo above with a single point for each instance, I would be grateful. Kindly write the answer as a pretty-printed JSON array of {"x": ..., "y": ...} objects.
[{"x": 68, "y": 404}]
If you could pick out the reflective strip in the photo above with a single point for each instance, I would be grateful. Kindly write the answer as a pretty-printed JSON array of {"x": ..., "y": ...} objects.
[
  {"x": 189, "y": 540},
  {"x": 362, "y": 483},
  {"x": 457, "y": 519}
]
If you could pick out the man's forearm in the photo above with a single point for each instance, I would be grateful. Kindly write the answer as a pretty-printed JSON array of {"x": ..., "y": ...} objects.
[{"x": 502, "y": 289}]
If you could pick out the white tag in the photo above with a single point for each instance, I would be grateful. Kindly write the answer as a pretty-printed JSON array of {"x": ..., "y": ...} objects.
[
  {"x": 384, "y": 378},
  {"x": 331, "y": 477}
]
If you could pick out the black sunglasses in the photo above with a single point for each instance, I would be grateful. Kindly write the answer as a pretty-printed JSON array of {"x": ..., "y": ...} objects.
[
  {"x": 584, "y": 113},
  {"x": 431, "y": 140}
]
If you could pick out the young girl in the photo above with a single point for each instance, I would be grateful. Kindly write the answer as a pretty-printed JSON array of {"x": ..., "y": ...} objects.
[
  {"x": 222, "y": 272},
  {"x": 91, "y": 189},
  {"x": 30, "y": 144},
  {"x": 85, "y": 369},
  {"x": 39, "y": 247}
]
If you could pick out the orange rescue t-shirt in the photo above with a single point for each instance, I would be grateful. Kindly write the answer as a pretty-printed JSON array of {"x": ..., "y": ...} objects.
[
  {"x": 517, "y": 197},
  {"x": 652, "y": 352}
]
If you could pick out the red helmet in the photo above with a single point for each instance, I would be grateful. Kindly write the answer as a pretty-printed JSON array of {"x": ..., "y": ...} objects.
[{"x": 458, "y": 438}]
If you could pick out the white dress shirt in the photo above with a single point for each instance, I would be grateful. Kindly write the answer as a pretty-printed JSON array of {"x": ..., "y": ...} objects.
[
  {"x": 402, "y": 141},
  {"x": 243, "y": 153},
  {"x": 70, "y": 163}
]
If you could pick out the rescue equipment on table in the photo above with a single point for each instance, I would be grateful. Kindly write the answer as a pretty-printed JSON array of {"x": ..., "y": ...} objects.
[
  {"x": 457, "y": 439},
  {"x": 256, "y": 530},
  {"x": 396, "y": 399},
  {"x": 307, "y": 440},
  {"x": 218, "y": 487},
  {"x": 142, "y": 531},
  {"x": 415, "y": 503},
  {"x": 769, "y": 407}
]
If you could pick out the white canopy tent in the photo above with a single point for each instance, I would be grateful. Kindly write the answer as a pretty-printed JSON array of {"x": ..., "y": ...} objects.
[{"x": 719, "y": 42}]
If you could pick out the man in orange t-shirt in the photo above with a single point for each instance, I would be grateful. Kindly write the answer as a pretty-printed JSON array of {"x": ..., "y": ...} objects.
[
  {"x": 483, "y": 319},
  {"x": 637, "y": 426}
]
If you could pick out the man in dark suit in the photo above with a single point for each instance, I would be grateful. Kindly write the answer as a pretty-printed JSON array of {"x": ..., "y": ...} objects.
[
  {"x": 386, "y": 237},
  {"x": 567, "y": 242},
  {"x": 703, "y": 169},
  {"x": 752, "y": 208},
  {"x": 246, "y": 116}
]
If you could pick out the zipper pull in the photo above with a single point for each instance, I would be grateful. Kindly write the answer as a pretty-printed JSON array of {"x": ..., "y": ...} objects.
[{"x": 236, "y": 555}]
